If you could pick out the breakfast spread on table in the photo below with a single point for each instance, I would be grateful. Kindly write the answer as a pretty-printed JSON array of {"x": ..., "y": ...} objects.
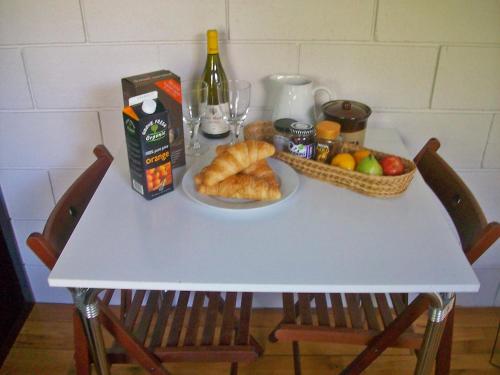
[
  {"x": 241, "y": 172},
  {"x": 327, "y": 145},
  {"x": 345, "y": 164}
]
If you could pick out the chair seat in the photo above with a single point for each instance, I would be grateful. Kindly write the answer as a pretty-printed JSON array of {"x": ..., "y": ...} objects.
[
  {"x": 350, "y": 318},
  {"x": 214, "y": 329}
]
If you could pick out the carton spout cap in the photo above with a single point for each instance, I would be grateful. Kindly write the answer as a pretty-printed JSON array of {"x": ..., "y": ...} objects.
[{"x": 149, "y": 106}]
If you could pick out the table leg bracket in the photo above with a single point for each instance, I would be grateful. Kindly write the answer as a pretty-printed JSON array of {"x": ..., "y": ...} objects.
[
  {"x": 86, "y": 302},
  {"x": 441, "y": 305}
]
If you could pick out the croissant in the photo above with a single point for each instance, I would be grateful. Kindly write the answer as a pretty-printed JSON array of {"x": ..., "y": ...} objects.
[
  {"x": 235, "y": 159},
  {"x": 198, "y": 179},
  {"x": 259, "y": 169},
  {"x": 242, "y": 186}
]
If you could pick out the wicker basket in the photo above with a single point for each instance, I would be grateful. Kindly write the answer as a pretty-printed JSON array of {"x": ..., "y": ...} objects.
[{"x": 375, "y": 186}]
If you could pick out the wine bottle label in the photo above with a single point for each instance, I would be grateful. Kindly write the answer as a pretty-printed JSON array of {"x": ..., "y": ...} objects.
[{"x": 213, "y": 121}]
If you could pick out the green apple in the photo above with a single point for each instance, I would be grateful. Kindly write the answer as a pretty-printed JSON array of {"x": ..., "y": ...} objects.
[{"x": 370, "y": 165}]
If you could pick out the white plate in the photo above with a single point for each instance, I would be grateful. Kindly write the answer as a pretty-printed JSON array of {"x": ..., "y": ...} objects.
[{"x": 288, "y": 178}]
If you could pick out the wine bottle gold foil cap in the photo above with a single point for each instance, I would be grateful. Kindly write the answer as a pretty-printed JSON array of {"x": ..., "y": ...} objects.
[
  {"x": 212, "y": 42},
  {"x": 327, "y": 129}
]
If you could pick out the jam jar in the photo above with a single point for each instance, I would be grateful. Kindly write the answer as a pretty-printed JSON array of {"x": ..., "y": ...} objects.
[
  {"x": 302, "y": 140},
  {"x": 328, "y": 140}
]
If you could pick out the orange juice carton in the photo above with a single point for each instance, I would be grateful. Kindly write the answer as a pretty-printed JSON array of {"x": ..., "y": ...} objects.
[
  {"x": 168, "y": 86},
  {"x": 146, "y": 124}
]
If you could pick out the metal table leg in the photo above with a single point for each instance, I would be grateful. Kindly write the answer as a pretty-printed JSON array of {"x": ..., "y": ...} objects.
[
  {"x": 441, "y": 305},
  {"x": 85, "y": 301}
]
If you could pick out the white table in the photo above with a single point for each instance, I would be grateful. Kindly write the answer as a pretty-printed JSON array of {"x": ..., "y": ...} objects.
[{"x": 323, "y": 239}]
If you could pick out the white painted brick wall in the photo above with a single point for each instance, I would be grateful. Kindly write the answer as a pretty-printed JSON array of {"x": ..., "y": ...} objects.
[
  {"x": 467, "y": 78},
  {"x": 426, "y": 68},
  {"x": 22, "y": 229},
  {"x": 294, "y": 20},
  {"x": 14, "y": 90},
  {"x": 457, "y": 21},
  {"x": 254, "y": 62},
  {"x": 492, "y": 154},
  {"x": 27, "y": 192},
  {"x": 381, "y": 75},
  {"x": 112, "y": 135},
  {"x": 61, "y": 179},
  {"x": 49, "y": 139},
  {"x": 31, "y": 21},
  {"x": 463, "y": 136},
  {"x": 155, "y": 20},
  {"x": 85, "y": 76}
]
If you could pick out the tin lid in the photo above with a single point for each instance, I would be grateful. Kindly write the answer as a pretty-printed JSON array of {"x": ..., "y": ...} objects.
[
  {"x": 283, "y": 124},
  {"x": 327, "y": 130},
  {"x": 302, "y": 129},
  {"x": 349, "y": 110}
]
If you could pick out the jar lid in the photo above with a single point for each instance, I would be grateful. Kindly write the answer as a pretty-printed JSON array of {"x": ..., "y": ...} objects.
[
  {"x": 302, "y": 129},
  {"x": 283, "y": 124},
  {"x": 327, "y": 129},
  {"x": 349, "y": 110}
]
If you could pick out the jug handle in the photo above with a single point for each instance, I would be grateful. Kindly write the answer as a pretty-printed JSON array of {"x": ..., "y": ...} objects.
[{"x": 316, "y": 91}]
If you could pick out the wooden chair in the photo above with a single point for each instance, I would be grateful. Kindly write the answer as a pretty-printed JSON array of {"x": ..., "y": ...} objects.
[
  {"x": 367, "y": 316},
  {"x": 149, "y": 327}
]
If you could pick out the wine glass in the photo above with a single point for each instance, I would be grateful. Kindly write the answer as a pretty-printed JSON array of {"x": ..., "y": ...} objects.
[
  {"x": 194, "y": 105},
  {"x": 236, "y": 93}
]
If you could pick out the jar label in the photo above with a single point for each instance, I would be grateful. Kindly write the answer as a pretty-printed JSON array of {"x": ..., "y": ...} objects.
[
  {"x": 301, "y": 150},
  {"x": 322, "y": 152}
]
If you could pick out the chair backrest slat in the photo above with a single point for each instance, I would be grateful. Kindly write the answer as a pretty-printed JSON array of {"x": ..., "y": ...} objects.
[
  {"x": 68, "y": 210},
  {"x": 462, "y": 206}
]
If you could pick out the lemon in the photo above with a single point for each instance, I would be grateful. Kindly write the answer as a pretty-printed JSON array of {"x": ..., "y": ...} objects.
[
  {"x": 345, "y": 161},
  {"x": 361, "y": 154}
]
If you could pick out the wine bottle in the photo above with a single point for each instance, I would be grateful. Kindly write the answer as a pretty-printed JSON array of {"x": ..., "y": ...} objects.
[{"x": 213, "y": 124}]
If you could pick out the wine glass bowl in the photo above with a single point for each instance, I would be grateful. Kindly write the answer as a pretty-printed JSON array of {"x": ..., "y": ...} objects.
[
  {"x": 194, "y": 106},
  {"x": 235, "y": 94}
]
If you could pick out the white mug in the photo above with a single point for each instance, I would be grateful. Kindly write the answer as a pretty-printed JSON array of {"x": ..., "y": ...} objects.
[{"x": 293, "y": 96}]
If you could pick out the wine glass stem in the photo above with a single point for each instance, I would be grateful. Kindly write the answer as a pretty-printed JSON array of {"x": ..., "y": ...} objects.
[
  {"x": 194, "y": 143},
  {"x": 237, "y": 128},
  {"x": 232, "y": 136}
]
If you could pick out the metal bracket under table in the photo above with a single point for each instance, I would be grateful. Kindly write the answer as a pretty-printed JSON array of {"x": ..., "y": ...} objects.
[
  {"x": 86, "y": 302},
  {"x": 438, "y": 305}
]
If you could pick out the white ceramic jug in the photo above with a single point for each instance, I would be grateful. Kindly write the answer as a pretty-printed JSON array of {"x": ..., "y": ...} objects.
[{"x": 293, "y": 96}]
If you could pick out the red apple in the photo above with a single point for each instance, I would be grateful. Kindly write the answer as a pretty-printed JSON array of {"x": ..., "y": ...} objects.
[{"x": 392, "y": 166}]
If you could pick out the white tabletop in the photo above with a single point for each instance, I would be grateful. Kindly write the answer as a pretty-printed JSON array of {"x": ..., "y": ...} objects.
[{"x": 322, "y": 239}]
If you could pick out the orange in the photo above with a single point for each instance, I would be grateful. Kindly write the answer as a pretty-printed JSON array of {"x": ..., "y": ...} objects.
[
  {"x": 361, "y": 154},
  {"x": 345, "y": 161}
]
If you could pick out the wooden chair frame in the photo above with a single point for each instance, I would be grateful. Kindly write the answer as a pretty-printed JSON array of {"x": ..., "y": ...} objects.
[
  {"x": 476, "y": 236},
  {"x": 130, "y": 327}
]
